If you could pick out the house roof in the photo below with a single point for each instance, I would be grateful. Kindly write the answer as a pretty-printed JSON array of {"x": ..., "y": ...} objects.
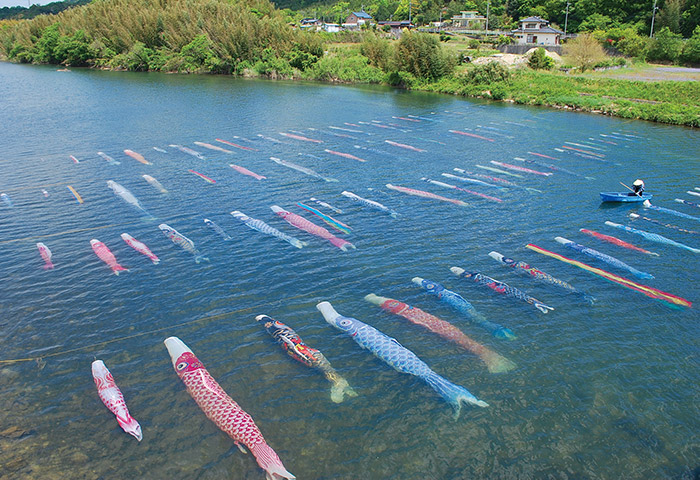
[
  {"x": 362, "y": 15},
  {"x": 537, "y": 30},
  {"x": 403, "y": 23},
  {"x": 534, "y": 19}
]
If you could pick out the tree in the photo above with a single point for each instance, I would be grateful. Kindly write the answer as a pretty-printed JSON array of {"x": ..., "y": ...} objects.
[
  {"x": 666, "y": 46},
  {"x": 691, "y": 50},
  {"x": 584, "y": 51},
  {"x": 670, "y": 15},
  {"x": 540, "y": 61}
]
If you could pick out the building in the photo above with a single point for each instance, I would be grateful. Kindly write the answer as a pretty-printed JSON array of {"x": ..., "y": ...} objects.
[
  {"x": 470, "y": 20},
  {"x": 357, "y": 19},
  {"x": 331, "y": 27},
  {"x": 536, "y": 31},
  {"x": 396, "y": 27},
  {"x": 310, "y": 24}
]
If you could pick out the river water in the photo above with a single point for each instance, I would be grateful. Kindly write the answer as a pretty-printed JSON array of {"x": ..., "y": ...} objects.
[{"x": 603, "y": 390}]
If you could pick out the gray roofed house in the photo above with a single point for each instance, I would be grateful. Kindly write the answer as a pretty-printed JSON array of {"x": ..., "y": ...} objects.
[{"x": 536, "y": 31}]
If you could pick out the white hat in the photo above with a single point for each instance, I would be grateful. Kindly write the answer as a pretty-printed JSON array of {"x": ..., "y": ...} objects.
[{"x": 638, "y": 182}]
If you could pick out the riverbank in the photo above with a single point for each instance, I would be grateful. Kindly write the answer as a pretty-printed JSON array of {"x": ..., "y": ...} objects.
[{"x": 672, "y": 102}]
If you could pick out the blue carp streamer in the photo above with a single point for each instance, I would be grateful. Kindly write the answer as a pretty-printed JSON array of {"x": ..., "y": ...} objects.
[
  {"x": 604, "y": 257},
  {"x": 398, "y": 357},
  {"x": 459, "y": 303},
  {"x": 500, "y": 287}
]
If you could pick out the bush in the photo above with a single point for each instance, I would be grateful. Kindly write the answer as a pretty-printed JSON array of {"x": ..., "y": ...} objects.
[
  {"x": 354, "y": 68},
  {"x": 75, "y": 50},
  {"x": 420, "y": 54},
  {"x": 401, "y": 79},
  {"x": 44, "y": 50},
  {"x": 666, "y": 45},
  {"x": 492, "y": 72},
  {"x": 379, "y": 52},
  {"x": 540, "y": 61},
  {"x": 474, "y": 44},
  {"x": 584, "y": 51},
  {"x": 690, "y": 54},
  {"x": 504, "y": 40}
]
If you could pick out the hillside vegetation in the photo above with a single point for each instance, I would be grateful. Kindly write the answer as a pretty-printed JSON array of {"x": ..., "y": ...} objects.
[{"x": 220, "y": 36}]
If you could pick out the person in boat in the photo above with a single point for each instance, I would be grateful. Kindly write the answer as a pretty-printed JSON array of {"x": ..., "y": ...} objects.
[{"x": 637, "y": 188}]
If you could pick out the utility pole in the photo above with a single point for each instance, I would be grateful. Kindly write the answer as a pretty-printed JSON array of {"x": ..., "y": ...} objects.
[
  {"x": 409, "y": 12},
  {"x": 653, "y": 14},
  {"x": 566, "y": 19},
  {"x": 488, "y": 6}
]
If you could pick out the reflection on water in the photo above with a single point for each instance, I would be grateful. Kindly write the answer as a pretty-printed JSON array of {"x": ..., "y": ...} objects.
[{"x": 601, "y": 391}]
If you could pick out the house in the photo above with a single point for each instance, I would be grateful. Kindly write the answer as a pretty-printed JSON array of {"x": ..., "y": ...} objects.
[
  {"x": 536, "y": 31},
  {"x": 331, "y": 27},
  {"x": 357, "y": 19},
  {"x": 310, "y": 24},
  {"x": 396, "y": 27},
  {"x": 470, "y": 20}
]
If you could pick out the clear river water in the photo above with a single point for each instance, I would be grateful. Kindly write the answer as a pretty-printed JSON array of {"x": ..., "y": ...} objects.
[{"x": 603, "y": 390}]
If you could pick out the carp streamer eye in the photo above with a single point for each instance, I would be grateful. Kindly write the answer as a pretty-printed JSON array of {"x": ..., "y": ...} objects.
[
  {"x": 345, "y": 322},
  {"x": 429, "y": 285},
  {"x": 181, "y": 366}
]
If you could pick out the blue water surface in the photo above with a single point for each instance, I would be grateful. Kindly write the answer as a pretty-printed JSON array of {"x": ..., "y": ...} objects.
[{"x": 601, "y": 391}]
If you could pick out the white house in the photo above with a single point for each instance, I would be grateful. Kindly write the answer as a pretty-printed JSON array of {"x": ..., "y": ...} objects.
[
  {"x": 536, "y": 31},
  {"x": 470, "y": 20},
  {"x": 331, "y": 27}
]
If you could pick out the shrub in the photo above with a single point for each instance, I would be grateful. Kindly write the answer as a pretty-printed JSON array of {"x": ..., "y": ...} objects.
[
  {"x": 691, "y": 50},
  {"x": 353, "y": 68},
  {"x": 666, "y": 45},
  {"x": 492, "y": 72},
  {"x": 420, "y": 54},
  {"x": 378, "y": 51},
  {"x": 474, "y": 44},
  {"x": 540, "y": 61},
  {"x": 74, "y": 50},
  {"x": 401, "y": 79},
  {"x": 584, "y": 51},
  {"x": 44, "y": 50}
]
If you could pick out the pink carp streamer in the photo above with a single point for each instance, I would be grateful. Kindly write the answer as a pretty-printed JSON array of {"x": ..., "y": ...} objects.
[
  {"x": 520, "y": 169},
  {"x": 106, "y": 255},
  {"x": 221, "y": 409},
  {"x": 45, "y": 255},
  {"x": 494, "y": 362},
  {"x": 140, "y": 247},
  {"x": 202, "y": 176},
  {"x": 403, "y": 145},
  {"x": 346, "y": 155},
  {"x": 421, "y": 193},
  {"x": 310, "y": 227},
  {"x": 113, "y": 399},
  {"x": 616, "y": 241},
  {"x": 472, "y": 135},
  {"x": 542, "y": 155},
  {"x": 299, "y": 137},
  {"x": 137, "y": 156},
  {"x": 245, "y": 171},
  {"x": 236, "y": 145}
]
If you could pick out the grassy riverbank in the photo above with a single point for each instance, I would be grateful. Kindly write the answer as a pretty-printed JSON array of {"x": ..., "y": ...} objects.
[{"x": 672, "y": 102}]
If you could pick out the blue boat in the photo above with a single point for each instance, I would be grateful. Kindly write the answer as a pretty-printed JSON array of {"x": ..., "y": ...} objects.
[{"x": 624, "y": 197}]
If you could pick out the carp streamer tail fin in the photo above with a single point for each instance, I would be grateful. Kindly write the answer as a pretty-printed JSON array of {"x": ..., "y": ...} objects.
[
  {"x": 270, "y": 462},
  {"x": 341, "y": 388},
  {"x": 453, "y": 394}
]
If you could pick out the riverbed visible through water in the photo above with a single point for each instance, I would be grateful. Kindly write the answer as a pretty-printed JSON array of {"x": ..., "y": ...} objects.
[{"x": 600, "y": 390}]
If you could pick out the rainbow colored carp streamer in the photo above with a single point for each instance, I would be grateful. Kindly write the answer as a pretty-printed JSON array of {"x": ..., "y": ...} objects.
[{"x": 648, "y": 291}]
